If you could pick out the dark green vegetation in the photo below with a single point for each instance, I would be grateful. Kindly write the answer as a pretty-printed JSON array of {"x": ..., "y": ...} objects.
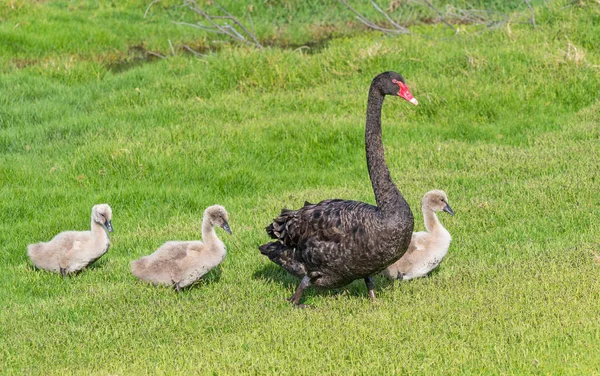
[{"x": 507, "y": 125}]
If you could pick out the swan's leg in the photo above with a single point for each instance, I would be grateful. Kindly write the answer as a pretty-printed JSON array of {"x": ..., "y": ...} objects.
[
  {"x": 295, "y": 299},
  {"x": 400, "y": 276},
  {"x": 63, "y": 272},
  {"x": 370, "y": 286}
]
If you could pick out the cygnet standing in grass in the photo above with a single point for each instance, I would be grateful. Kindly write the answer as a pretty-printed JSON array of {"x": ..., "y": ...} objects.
[
  {"x": 71, "y": 251},
  {"x": 428, "y": 248},
  {"x": 181, "y": 263}
]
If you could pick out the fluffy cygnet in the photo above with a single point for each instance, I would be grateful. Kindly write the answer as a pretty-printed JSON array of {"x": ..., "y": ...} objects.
[
  {"x": 71, "y": 251},
  {"x": 428, "y": 248},
  {"x": 181, "y": 263}
]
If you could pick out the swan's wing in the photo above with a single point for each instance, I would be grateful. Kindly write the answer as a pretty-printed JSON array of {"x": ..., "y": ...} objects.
[
  {"x": 323, "y": 232},
  {"x": 406, "y": 261},
  {"x": 326, "y": 221}
]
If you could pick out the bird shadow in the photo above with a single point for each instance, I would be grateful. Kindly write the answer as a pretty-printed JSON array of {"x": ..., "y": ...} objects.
[
  {"x": 214, "y": 276},
  {"x": 433, "y": 272},
  {"x": 35, "y": 269},
  {"x": 100, "y": 263},
  {"x": 274, "y": 274}
]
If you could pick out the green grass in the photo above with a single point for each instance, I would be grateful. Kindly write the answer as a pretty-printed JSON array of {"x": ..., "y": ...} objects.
[{"x": 507, "y": 125}]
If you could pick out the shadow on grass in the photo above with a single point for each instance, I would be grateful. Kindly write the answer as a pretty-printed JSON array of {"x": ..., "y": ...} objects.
[
  {"x": 100, "y": 263},
  {"x": 97, "y": 264},
  {"x": 275, "y": 274},
  {"x": 214, "y": 276}
]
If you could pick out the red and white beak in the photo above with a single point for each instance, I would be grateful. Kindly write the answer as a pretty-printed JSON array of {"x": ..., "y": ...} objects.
[{"x": 405, "y": 93}]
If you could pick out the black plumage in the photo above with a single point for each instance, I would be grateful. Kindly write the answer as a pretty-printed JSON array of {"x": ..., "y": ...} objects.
[{"x": 334, "y": 242}]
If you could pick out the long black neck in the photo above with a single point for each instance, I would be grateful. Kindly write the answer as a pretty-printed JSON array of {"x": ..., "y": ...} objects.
[{"x": 387, "y": 195}]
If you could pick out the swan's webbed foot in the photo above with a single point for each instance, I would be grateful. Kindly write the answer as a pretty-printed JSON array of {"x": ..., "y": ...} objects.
[
  {"x": 371, "y": 287},
  {"x": 295, "y": 299},
  {"x": 176, "y": 286}
]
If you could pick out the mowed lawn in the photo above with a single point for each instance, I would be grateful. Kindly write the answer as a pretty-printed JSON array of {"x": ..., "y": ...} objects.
[{"x": 508, "y": 124}]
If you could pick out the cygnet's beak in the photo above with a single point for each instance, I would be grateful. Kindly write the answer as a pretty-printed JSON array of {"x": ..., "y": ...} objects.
[
  {"x": 448, "y": 209},
  {"x": 226, "y": 227},
  {"x": 108, "y": 226}
]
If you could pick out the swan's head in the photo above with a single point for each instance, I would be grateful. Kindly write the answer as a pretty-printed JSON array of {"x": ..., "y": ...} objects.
[
  {"x": 102, "y": 214},
  {"x": 436, "y": 201},
  {"x": 391, "y": 83},
  {"x": 217, "y": 216}
]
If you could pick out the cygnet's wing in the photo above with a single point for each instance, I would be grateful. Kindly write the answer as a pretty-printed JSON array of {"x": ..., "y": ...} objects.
[
  {"x": 71, "y": 241},
  {"x": 419, "y": 242},
  {"x": 70, "y": 249},
  {"x": 413, "y": 253},
  {"x": 196, "y": 246},
  {"x": 176, "y": 250},
  {"x": 64, "y": 241}
]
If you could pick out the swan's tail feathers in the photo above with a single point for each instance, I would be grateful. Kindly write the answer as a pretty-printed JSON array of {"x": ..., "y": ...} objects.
[
  {"x": 283, "y": 227},
  {"x": 138, "y": 267},
  {"x": 293, "y": 225},
  {"x": 276, "y": 230},
  {"x": 284, "y": 257}
]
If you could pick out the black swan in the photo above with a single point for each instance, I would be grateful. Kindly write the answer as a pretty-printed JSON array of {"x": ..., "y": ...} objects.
[{"x": 334, "y": 242}]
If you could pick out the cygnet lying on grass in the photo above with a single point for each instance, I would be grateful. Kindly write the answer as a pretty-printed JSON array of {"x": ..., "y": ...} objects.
[
  {"x": 181, "y": 263},
  {"x": 71, "y": 251},
  {"x": 428, "y": 248}
]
